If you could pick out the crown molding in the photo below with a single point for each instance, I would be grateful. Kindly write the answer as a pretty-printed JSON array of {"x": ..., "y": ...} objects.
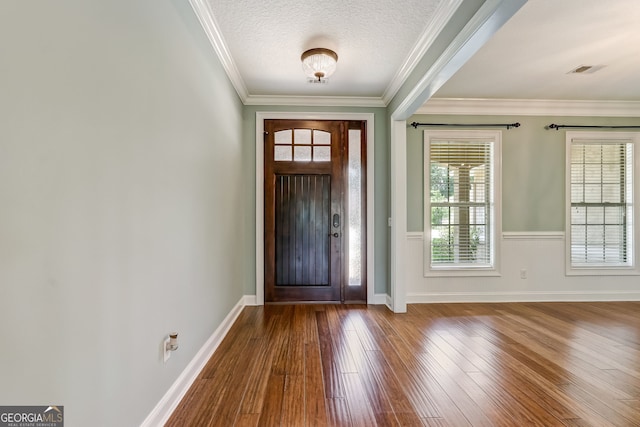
[
  {"x": 434, "y": 27},
  {"x": 530, "y": 107},
  {"x": 316, "y": 101},
  {"x": 212, "y": 30}
]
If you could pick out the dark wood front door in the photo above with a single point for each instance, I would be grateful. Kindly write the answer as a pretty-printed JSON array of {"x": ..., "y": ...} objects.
[{"x": 306, "y": 235}]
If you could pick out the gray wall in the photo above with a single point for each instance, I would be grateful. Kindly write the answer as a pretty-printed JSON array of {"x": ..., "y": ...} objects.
[
  {"x": 533, "y": 169},
  {"x": 381, "y": 184},
  {"x": 121, "y": 176}
]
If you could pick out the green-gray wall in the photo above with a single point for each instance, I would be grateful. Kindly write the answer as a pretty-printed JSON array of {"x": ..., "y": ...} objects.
[
  {"x": 121, "y": 178},
  {"x": 381, "y": 185},
  {"x": 533, "y": 168}
]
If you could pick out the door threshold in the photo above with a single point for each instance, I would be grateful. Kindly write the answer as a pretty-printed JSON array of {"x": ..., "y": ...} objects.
[
  {"x": 317, "y": 302},
  {"x": 301, "y": 302}
]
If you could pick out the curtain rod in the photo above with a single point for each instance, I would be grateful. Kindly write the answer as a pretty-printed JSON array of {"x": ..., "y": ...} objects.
[
  {"x": 494, "y": 125},
  {"x": 558, "y": 127}
]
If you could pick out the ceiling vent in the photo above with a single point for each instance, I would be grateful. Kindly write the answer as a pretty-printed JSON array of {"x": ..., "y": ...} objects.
[{"x": 586, "y": 69}]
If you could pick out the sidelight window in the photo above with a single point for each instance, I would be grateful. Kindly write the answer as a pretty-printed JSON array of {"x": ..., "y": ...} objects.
[{"x": 355, "y": 237}]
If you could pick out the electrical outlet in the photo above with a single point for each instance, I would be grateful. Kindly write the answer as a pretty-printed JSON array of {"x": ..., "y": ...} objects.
[
  {"x": 166, "y": 353},
  {"x": 523, "y": 273}
]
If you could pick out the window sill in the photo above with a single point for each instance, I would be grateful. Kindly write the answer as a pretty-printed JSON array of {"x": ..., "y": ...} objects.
[
  {"x": 462, "y": 272},
  {"x": 600, "y": 271}
]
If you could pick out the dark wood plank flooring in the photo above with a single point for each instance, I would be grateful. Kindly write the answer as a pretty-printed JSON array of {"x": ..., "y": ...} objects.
[{"x": 511, "y": 364}]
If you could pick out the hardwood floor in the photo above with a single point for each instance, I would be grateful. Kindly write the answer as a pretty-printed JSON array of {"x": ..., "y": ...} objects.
[{"x": 524, "y": 364}]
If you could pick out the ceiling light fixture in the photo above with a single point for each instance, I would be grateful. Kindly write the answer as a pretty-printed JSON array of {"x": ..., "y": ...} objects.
[{"x": 319, "y": 63}]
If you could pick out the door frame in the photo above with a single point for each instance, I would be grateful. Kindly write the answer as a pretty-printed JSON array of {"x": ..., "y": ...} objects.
[{"x": 260, "y": 118}]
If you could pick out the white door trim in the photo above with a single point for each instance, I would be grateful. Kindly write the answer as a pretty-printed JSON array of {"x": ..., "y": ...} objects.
[
  {"x": 398, "y": 215},
  {"x": 261, "y": 116}
]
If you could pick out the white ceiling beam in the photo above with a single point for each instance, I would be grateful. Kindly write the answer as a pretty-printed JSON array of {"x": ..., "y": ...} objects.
[{"x": 482, "y": 26}]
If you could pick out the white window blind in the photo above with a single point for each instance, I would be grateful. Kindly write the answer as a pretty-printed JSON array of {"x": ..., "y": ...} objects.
[
  {"x": 461, "y": 202},
  {"x": 601, "y": 212}
]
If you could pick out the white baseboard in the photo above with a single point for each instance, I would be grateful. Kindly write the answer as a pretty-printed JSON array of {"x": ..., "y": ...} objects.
[
  {"x": 380, "y": 299},
  {"x": 383, "y": 299},
  {"x": 565, "y": 296},
  {"x": 165, "y": 407},
  {"x": 250, "y": 300},
  {"x": 389, "y": 302}
]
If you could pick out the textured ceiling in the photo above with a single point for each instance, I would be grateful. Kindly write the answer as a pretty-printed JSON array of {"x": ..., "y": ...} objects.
[
  {"x": 376, "y": 40},
  {"x": 373, "y": 39},
  {"x": 531, "y": 55}
]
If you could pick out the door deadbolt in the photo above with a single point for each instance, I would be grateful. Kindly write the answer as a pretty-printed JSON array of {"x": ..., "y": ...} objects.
[{"x": 336, "y": 220}]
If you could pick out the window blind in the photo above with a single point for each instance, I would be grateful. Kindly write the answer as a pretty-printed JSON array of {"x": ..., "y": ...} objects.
[
  {"x": 461, "y": 202},
  {"x": 601, "y": 203}
]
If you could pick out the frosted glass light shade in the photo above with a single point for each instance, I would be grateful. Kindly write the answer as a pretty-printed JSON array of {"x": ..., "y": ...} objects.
[{"x": 319, "y": 63}]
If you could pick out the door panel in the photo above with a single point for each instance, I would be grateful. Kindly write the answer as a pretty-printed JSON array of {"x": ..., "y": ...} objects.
[{"x": 302, "y": 230}]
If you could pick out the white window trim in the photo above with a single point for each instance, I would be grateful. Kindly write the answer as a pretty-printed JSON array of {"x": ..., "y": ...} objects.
[
  {"x": 496, "y": 230},
  {"x": 634, "y": 269}
]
